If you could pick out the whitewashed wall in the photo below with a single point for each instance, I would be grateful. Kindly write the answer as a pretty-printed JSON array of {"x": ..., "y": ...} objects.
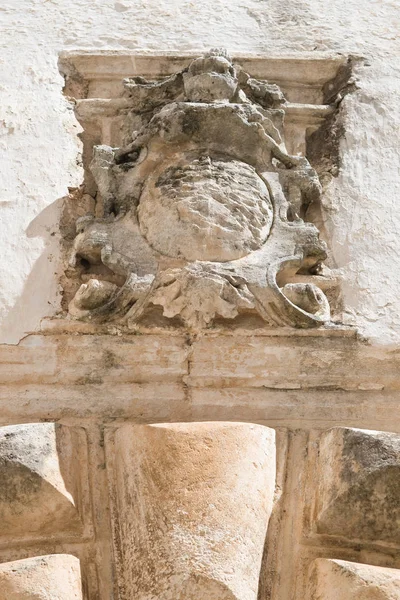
[{"x": 39, "y": 149}]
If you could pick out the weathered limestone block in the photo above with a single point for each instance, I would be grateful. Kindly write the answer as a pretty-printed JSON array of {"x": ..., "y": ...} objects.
[
  {"x": 188, "y": 207},
  {"x": 359, "y": 485},
  {"x": 52, "y": 577},
  {"x": 38, "y": 474},
  {"x": 192, "y": 508},
  {"x": 342, "y": 580}
]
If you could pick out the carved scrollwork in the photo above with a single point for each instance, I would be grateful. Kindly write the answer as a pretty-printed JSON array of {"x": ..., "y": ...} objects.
[{"x": 202, "y": 207}]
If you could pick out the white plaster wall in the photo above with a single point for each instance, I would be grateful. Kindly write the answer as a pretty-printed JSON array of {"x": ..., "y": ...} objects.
[{"x": 38, "y": 145}]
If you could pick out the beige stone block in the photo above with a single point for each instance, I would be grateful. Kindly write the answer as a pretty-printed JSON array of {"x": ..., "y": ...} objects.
[
  {"x": 38, "y": 472},
  {"x": 192, "y": 504},
  {"x": 33, "y": 360},
  {"x": 114, "y": 359},
  {"x": 52, "y": 577},
  {"x": 342, "y": 580},
  {"x": 304, "y": 359},
  {"x": 359, "y": 485},
  {"x": 45, "y": 359},
  {"x": 145, "y": 401}
]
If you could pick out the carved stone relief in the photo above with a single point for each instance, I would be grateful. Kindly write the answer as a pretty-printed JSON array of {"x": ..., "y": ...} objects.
[
  {"x": 203, "y": 207},
  {"x": 200, "y": 214}
]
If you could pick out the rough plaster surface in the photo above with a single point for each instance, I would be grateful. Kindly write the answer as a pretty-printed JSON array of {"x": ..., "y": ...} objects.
[{"x": 39, "y": 149}]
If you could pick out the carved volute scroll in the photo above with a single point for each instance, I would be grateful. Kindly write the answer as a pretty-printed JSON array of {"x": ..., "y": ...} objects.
[{"x": 202, "y": 207}]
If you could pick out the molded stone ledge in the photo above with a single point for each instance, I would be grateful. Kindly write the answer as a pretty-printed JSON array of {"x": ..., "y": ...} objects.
[
  {"x": 299, "y": 120},
  {"x": 359, "y": 485},
  {"x": 60, "y": 326},
  {"x": 55, "y": 577},
  {"x": 191, "y": 508},
  {"x": 39, "y": 471},
  {"x": 342, "y": 580},
  {"x": 301, "y": 77}
]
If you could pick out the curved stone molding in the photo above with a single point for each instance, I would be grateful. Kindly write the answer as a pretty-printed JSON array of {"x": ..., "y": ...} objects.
[
  {"x": 192, "y": 508},
  {"x": 202, "y": 207},
  {"x": 342, "y": 580},
  {"x": 55, "y": 577},
  {"x": 38, "y": 492},
  {"x": 359, "y": 485}
]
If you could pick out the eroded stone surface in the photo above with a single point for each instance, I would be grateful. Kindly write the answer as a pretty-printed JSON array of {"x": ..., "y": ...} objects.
[
  {"x": 192, "y": 508},
  {"x": 51, "y": 577},
  {"x": 39, "y": 489},
  {"x": 343, "y": 580},
  {"x": 189, "y": 201},
  {"x": 204, "y": 209},
  {"x": 359, "y": 485}
]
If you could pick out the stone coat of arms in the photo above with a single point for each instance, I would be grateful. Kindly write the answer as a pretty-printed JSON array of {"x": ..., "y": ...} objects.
[{"x": 202, "y": 208}]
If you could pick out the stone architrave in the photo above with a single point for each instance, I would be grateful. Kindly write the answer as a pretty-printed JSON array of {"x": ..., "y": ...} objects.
[
  {"x": 203, "y": 207},
  {"x": 359, "y": 485},
  {"x": 343, "y": 580},
  {"x": 52, "y": 577},
  {"x": 38, "y": 491},
  {"x": 192, "y": 505}
]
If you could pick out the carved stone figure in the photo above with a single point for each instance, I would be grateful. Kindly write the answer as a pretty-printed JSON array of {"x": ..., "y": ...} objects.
[{"x": 202, "y": 207}]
